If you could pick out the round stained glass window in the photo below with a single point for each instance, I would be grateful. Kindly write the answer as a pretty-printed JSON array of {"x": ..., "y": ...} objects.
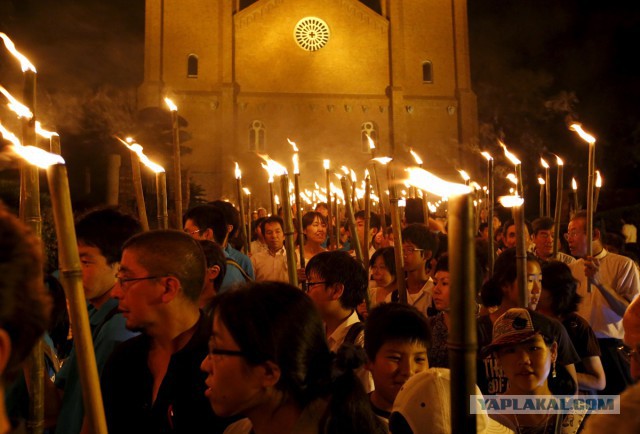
[{"x": 311, "y": 33}]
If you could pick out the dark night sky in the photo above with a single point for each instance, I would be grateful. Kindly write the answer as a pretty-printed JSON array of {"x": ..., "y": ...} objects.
[{"x": 578, "y": 46}]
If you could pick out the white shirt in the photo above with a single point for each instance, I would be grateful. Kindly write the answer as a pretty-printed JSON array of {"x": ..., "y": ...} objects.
[
  {"x": 271, "y": 266},
  {"x": 421, "y": 300},
  {"x": 336, "y": 339},
  {"x": 616, "y": 272}
]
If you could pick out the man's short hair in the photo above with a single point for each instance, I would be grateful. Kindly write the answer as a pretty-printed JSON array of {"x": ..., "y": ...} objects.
[
  {"x": 582, "y": 215},
  {"x": 374, "y": 220},
  {"x": 269, "y": 220},
  {"x": 170, "y": 252},
  {"x": 231, "y": 214},
  {"x": 214, "y": 255},
  {"x": 106, "y": 229},
  {"x": 208, "y": 217},
  {"x": 339, "y": 267},
  {"x": 542, "y": 224},
  {"x": 419, "y": 235},
  {"x": 23, "y": 308},
  {"x": 394, "y": 322}
]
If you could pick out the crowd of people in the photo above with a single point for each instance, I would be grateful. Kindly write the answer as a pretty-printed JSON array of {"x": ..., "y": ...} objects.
[{"x": 194, "y": 334}]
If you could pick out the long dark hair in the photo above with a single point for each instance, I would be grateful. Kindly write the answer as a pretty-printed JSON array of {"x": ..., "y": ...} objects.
[
  {"x": 562, "y": 286},
  {"x": 505, "y": 272},
  {"x": 273, "y": 321}
]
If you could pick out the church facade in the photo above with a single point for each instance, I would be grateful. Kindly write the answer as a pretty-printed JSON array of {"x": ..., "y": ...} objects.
[{"x": 249, "y": 74}]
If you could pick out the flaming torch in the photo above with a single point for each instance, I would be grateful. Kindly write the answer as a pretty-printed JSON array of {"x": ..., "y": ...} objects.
[
  {"x": 71, "y": 272},
  {"x": 374, "y": 171},
  {"x": 558, "y": 210},
  {"x": 298, "y": 202},
  {"x": 574, "y": 187},
  {"x": 247, "y": 193},
  {"x": 278, "y": 169},
  {"x": 367, "y": 216},
  {"x": 517, "y": 204},
  {"x": 597, "y": 192},
  {"x": 395, "y": 223},
  {"x": 243, "y": 222},
  {"x": 348, "y": 205},
  {"x": 490, "y": 200},
  {"x": 462, "y": 334},
  {"x": 518, "y": 217},
  {"x": 330, "y": 228},
  {"x": 52, "y": 136},
  {"x": 161, "y": 181},
  {"x": 177, "y": 181},
  {"x": 541, "y": 181},
  {"x": 465, "y": 176},
  {"x": 590, "y": 183},
  {"x": 137, "y": 183},
  {"x": 425, "y": 207},
  {"x": 547, "y": 187}
]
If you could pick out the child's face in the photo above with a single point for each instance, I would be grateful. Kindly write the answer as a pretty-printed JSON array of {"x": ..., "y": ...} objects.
[{"x": 394, "y": 364}]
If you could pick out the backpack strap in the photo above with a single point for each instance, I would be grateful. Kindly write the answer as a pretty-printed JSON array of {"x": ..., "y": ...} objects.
[
  {"x": 244, "y": 273},
  {"x": 353, "y": 333}
]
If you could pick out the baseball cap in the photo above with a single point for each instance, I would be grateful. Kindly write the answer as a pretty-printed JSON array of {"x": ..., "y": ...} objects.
[
  {"x": 423, "y": 406},
  {"x": 516, "y": 326}
]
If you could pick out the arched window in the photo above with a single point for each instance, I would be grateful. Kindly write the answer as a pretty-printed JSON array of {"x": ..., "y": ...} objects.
[
  {"x": 192, "y": 66},
  {"x": 257, "y": 136},
  {"x": 427, "y": 72},
  {"x": 368, "y": 129}
]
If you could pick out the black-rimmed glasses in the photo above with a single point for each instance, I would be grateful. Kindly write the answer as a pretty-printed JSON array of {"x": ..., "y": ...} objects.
[
  {"x": 307, "y": 285},
  {"x": 123, "y": 281},
  {"x": 213, "y": 351}
]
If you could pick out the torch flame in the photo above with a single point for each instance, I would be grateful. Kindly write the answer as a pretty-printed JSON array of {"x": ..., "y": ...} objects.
[
  {"x": 269, "y": 172},
  {"x": 274, "y": 168},
  {"x": 293, "y": 145},
  {"x": 486, "y": 155},
  {"x": 135, "y": 147},
  {"x": 32, "y": 154},
  {"x": 574, "y": 184},
  {"x": 17, "y": 107},
  {"x": 372, "y": 145},
  {"x": 296, "y": 164},
  {"x": 366, "y": 173},
  {"x": 426, "y": 181},
  {"x": 464, "y": 175},
  {"x": 544, "y": 163},
  {"x": 512, "y": 177},
  {"x": 171, "y": 105},
  {"x": 44, "y": 133},
  {"x": 416, "y": 157},
  {"x": 559, "y": 161},
  {"x": 238, "y": 172},
  {"x": 509, "y": 155},
  {"x": 541, "y": 180},
  {"x": 598, "y": 179},
  {"x": 24, "y": 62},
  {"x": 582, "y": 133},
  {"x": 345, "y": 170},
  {"x": 246, "y": 191},
  {"x": 383, "y": 160},
  {"x": 475, "y": 185},
  {"x": 510, "y": 201},
  {"x": 325, "y": 164},
  {"x": 353, "y": 176}
]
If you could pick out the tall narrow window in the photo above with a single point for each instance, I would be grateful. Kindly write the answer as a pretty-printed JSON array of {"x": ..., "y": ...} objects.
[
  {"x": 192, "y": 66},
  {"x": 427, "y": 72},
  {"x": 368, "y": 129},
  {"x": 257, "y": 136}
]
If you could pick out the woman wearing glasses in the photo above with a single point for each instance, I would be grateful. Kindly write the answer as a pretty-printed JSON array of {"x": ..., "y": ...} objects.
[{"x": 269, "y": 361}]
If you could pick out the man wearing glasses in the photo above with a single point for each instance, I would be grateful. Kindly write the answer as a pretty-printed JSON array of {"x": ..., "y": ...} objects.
[
  {"x": 153, "y": 382},
  {"x": 607, "y": 283},
  {"x": 418, "y": 245}
]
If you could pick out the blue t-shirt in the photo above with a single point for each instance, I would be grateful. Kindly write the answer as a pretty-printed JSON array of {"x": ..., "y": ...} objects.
[
  {"x": 234, "y": 276},
  {"x": 106, "y": 336}
]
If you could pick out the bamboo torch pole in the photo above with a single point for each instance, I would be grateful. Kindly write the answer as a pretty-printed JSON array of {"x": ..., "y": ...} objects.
[
  {"x": 161, "y": 198},
  {"x": 348, "y": 205},
  {"x": 367, "y": 219},
  {"x": 177, "y": 169},
  {"x": 243, "y": 222},
  {"x": 292, "y": 268},
  {"x": 558, "y": 209}
]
